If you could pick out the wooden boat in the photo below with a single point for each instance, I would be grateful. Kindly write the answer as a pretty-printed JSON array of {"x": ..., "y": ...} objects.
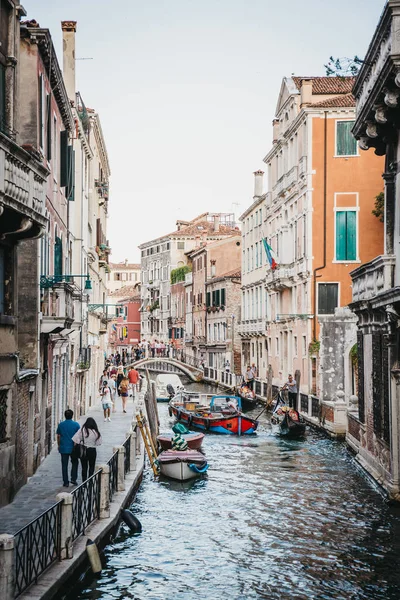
[
  {"x": 182, "y": 464},
  {"x": 194, "y": 440},
  {"x": 290, "y": 422},
  {"x": 222, "y": 415},
  {"x": 248, "y": 398}
]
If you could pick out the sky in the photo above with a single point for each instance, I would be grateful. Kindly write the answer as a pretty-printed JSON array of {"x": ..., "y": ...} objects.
[{"x": 186, "y": 91}]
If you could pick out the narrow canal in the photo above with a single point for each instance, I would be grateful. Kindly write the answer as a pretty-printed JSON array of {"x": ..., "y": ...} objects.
[{"x": 272, "y": 519}]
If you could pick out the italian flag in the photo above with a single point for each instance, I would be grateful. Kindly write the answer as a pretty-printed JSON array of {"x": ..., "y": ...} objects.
[{"x": 272, "y": 258}]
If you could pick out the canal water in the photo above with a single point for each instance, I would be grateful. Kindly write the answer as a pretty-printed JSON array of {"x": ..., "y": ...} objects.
[{"x": 273, "y": 519}]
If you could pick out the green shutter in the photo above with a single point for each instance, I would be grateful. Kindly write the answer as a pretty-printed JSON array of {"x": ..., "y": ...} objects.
[
  {"x": 217, "y": 303},
  {"x": 58, "y": 257},
  {"x": 351, "y": 235},
  {"x": 208, "y": 299},
  {"x": 63, "y": 158},
  {"x": 346, "y": 235},
  {"x": 346, "y": 145},
  {"x": 213, "y": 299},
  {"x": 341, "y": 235},
  {"x": 70, "y": 188},
  {"x": 223, "y": 297}
]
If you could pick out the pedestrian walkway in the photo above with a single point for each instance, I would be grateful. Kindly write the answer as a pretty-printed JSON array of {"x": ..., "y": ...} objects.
[{"x": 40, "y": 492}]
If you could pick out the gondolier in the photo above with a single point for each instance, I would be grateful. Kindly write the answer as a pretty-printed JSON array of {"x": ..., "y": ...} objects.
[{"x": 291, "y": 387}]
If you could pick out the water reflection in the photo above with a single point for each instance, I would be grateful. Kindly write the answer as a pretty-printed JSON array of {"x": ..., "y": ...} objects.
[{"x": 272, "y": 519}]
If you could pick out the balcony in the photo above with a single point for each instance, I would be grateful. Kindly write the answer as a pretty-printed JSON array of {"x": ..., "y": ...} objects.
[
  {"x": 281, "y": 279},
  {"x": 84, "y": 360},
  {"x": 22, "y": 192},
  {"x": 252, "y": 327},
  {"x": 189, "y": 278},
  {"x": 373, "y": 278},
  {"x": 303, "y": 166},
  {"x": 58, "y": 308}
]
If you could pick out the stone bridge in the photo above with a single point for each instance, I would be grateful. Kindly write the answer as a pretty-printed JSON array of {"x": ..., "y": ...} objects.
[{"x": 169, "y": 365}]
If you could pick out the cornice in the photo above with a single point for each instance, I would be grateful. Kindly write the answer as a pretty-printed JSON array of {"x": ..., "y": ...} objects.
[{"x": 257, "y": 202}]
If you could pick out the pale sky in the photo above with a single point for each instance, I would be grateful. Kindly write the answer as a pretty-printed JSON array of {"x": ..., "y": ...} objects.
[{"x": 186, "y": 91}]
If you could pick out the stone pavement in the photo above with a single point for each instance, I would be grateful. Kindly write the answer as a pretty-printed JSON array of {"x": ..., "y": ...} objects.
[{"x": 40, "y": 492}]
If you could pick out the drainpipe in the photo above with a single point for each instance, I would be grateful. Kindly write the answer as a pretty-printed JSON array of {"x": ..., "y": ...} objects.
[{"x": 324, "y": 262}]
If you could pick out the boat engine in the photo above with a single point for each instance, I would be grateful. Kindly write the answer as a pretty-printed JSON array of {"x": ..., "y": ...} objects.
[{"x": 171, "y": 391}]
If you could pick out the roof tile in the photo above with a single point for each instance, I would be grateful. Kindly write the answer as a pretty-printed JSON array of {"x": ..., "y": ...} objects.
[{"x": 328, "y": 85}]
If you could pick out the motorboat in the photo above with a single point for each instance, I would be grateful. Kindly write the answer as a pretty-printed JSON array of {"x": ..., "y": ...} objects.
[
  {"x": 182, "y": 464},
  {"x": 221, "y": 414},
  {"x": 248, "y": 397},
  {"x": 289, "y": 421},
  {"x": 166, "y": 386},
  {"x": 193, "y": 440}
]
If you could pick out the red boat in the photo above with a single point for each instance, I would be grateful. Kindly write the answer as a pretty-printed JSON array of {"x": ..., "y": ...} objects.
[
  {"x": 194, "y": 440},
  {"x": 223, "y": 415}
]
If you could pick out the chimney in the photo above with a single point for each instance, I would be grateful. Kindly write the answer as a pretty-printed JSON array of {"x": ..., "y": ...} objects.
[
  {"x": 69, "y": 30},
  {"x": 275, "y": 130},
  {"x": 306, "y": 92},
  {"x": 216, "y": 222},
  {"x": 126, "y": 262},
  {"x": 258, "y": 183}
]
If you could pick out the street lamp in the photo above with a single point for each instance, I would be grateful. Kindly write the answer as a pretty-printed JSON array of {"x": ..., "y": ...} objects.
[{"x": 50, "y": 281}]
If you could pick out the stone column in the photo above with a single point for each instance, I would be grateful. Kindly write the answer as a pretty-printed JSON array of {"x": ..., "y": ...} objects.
[
  {"x": 121, "y": 467},
  {"x": 7, "y": 580},
  {"x": 66, "y": 524},
  {"x": 104, "y": 511}
]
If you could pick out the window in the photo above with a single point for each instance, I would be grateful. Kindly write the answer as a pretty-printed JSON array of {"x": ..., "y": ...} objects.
[
  {"x": 277, "y": 346},
  {"x": 42, "y": 103},
  {"x": 208, "y": 299},
  {"x": 327, "y": 298},
  {"x": 2, "y": 98},
  {"x": 257, "y": 255},
  {"x": 2, "y": 279},
  {"x": 223, "y": 297},
  {"x": 181, "y": 245},
  {"x": 346, "y": 144},
  {"x": 295, "y": 345},
  {"x": 346, "y": 235}
]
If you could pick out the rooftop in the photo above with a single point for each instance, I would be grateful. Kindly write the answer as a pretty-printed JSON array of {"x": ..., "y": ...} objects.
[
  {"x": 124, "y": 265},
  {"x": 346, "y": 100},
  {"x": 126, "y": 291},
  {"x": 327, "y": 85}
]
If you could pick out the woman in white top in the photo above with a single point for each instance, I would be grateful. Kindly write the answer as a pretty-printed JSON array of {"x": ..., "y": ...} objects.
[{"x": 89, "y": 436}]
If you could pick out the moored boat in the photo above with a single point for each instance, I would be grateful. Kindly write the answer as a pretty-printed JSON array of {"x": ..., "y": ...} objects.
[
  {"x": 222, "y": 415},
  {"x": 193, "y": 440},
  {"x": 182, "y": 465},
  {"x": 164, "y": 383}
]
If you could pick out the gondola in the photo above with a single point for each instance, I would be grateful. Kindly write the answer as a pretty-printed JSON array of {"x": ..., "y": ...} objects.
[
  {"x": 248, "y": 398},
  {"x": 290, "y": 422}
]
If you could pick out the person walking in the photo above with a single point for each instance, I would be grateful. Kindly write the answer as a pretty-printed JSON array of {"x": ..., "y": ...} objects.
[
  {"x": 133, "y": 377},
  {"x": 106, "y": 401},
  {"x": 291, "y": 387},
  {"x": 123, "y": 389},
  {"x": 120, "y": 376},
  {"x": 65, "y": 432},
  {"x": 112, "y": 382},
  {"x": 103, "y": 379},
  {"x": 89, "y": 436}
]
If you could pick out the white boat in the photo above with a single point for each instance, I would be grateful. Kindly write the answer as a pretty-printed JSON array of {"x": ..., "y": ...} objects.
[
  {"x": 182, "y": 464},
  {"x": 162, "y": 381}
]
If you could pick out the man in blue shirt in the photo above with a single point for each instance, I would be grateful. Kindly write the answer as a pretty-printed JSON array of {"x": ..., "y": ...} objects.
[{"x": 65, "y": 431}]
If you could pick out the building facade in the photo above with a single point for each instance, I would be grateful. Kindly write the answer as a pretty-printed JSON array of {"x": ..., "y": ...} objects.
[
  {"x": 321, "y": 193},
  {"x": 122, "y": 274},
  {"x": 374, "y": 423},
  {"x": 124, "y": 328},
  {"x": 163, "y": 255},
  {"x": 23, "y": 181}
]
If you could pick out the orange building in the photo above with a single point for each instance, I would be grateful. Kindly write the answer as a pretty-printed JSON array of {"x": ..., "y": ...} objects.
[{"x": 317, "y": 217}]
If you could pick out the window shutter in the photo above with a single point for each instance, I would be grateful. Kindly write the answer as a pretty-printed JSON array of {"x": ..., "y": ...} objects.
[
  {"x": 208, "y": 299},
  {"x": 346, "y": 145},
  {"x": 63, "y": 158},
  {"x": 223, "y": 297},
  {"x": 217, "y": 298},
  {"x": 213, "y": 298},
  {"x": 49, "y": 127},
  {"x": 341, "y": 235},
  {"x": 351, "y": 235},
  {"x": 70, "y": 189},
  {"x": 58, "y": 257}
]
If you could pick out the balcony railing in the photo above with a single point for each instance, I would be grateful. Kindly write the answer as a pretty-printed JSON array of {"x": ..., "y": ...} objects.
[
  {"x": 302, "y": 166},
  {"x": 373, "y": 278}
]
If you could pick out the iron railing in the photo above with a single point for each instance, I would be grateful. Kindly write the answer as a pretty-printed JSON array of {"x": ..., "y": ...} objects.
[
  {"x": 314, "y": 407},
  {"x": 304, "y": 403},
  {"x": 113, "y": 480},
  {"x": 191, "y": 360},
  {"x": 127, "y": 461},
  {"x": 85, "y": 504},
  {"x": 37, "y": 546}
]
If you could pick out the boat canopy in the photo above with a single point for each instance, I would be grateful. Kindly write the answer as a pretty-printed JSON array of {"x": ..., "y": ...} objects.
[
  {"x": 165, "y": 379},
  {"x": 217, "y": 402}
]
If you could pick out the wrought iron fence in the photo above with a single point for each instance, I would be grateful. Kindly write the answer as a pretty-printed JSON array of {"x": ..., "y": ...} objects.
[
  {"x": 127, "y": 461},
  {"x": 85, "y": 504},
  {"x": 191, "y": 360},
  {"x": 113, "y": 480},
  {"x": 265, "y": 390},
  {"x": 304, "y": 403},
  {"x": 314, "y": 406},
  {"x": 258, "y": 388},
  {"x": 37, "y": 546}
]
